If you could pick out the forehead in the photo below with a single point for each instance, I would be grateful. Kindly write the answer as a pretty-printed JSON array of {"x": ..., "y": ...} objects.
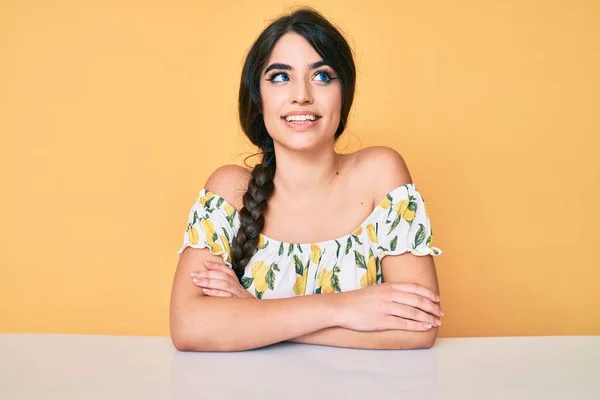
[{"x": 294, "y": 50}]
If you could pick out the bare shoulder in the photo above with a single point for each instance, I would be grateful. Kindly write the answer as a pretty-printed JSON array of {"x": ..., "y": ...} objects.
[
  {"x": 384, "y": 168},
  {"x": 230, "y": 182}
]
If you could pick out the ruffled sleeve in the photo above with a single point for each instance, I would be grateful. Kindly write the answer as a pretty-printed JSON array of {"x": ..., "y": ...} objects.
[
  {"x": 212, "y": 225},
  {"x": 404, "y": 225}
]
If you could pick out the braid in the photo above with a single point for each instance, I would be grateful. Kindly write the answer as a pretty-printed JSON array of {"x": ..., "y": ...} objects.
[{"x": 260, "y": 188}]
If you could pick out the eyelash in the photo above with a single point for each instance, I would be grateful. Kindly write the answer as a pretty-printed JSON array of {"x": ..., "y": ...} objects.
[{"x": 274, "y": 74}]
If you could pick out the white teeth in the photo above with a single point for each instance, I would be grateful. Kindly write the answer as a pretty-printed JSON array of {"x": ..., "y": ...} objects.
[{"x": 300, "y": 118}]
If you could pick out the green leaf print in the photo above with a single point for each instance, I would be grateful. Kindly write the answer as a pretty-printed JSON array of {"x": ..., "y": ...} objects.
[
  {"x": 349, "y": 244},
  {"x": 291, "y": 249},
  {"x": 429, "y": 240},
  {"x": 299, "y": 266},
  {"x": 226, "y": 234},
  {"x": 281, "y": 249},
  {"x": 318, "y": 291},
  {"x": 394, "y": 243},
  {"x": 412, "y": 205},
  {"x": 395, "y": 224},
  {"x": 195, "y": 217},
  {"x": 359, "y": 260},
  {"x": 270, "y": 278},
  {"x": 420, "y": 235},
  {"x": 335, "y": 283},
  {"x": 339, "y": 246},
  {"x": 207, "y": 204},
  {"x": 357, "y": 239},
  {"x": 247, "y": 282},
  {"x": 219, "y": 202},
  {"x": 381, "y": 248},
  {"x": 275, "y": 267},
  {"x": 300, "y": 248},
  {"x": 259, "y": 295},
  {"x": 215, "y": 237}
]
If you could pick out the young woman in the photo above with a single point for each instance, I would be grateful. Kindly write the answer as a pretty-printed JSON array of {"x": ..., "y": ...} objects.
[{"x": 350, "y": 228}]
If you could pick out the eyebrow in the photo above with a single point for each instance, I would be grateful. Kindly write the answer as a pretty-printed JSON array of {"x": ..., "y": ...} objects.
[{"x": 289, "y": 67}]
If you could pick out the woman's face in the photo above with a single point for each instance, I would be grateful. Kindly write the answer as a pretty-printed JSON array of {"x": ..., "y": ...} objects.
[{"x": 294, "y": 81}]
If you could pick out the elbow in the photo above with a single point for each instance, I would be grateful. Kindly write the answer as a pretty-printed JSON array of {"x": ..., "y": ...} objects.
[
  {"x": 427, "y": 339},
  {"x": 186, "y": 340},
  {"x": 182, "y": 342}
]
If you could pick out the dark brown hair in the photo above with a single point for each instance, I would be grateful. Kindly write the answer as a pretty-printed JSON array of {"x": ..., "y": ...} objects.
[{"x": 329, "y": 43}]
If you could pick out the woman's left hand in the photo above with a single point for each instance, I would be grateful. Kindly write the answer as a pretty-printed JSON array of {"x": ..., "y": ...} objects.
[{"x": 219, "y": 281}]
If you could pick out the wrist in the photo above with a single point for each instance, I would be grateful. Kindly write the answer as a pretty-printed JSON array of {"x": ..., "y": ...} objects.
[{"x": 335, "y": 309}]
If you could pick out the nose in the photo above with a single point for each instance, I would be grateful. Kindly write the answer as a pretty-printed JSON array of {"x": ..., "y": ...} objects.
[{"x": 301, "y": 93}]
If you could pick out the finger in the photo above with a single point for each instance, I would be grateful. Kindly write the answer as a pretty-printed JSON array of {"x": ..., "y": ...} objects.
[
  {"x": 417, "y": 301},
  {"x": 416, "y": 289},
  {"x": 408, "y": 312},
  {"x": 213, "y": 275},
  {"x": 407, "y": 325},
  {"x": 216, "y": 293},
  {"x": 218, "y": 284},
  {"x": 220, "y": 267}
]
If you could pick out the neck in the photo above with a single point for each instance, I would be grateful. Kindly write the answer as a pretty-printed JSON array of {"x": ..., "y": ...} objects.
[{"x": 302, "y": 174}]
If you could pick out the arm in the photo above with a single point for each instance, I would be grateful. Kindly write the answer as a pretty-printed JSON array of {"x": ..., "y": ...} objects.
[
  {"x": 202, "y": 323},
  {"x": 404, "y": 267},
  {"x": 401, "y": 268}
]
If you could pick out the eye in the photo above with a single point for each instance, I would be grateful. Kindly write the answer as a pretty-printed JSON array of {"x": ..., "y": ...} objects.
[
  {"x": 275, "y": 75},
  {"x": 326, "y": 75}
]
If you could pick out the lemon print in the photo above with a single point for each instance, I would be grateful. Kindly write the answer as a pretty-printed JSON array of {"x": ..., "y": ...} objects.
[
  {"x": 206, "y": 198},
  {"x": 325, "y": 281},
  {"x": 259, "y": 273},
  {"x": 226, "y": 246},
  {"x": 357, "y": 231},
  {"x": 408, "y": 215},
  {"x": 370, "y": 277},
  {"x": 371, "y": 232},
  {"x": 209, "y": 230},
  {"x": 316, "y": 253},
  {"x": 193, "y": 235},
  {"x": 300, "y": 286},
  {"x": 402, "y": 208},
  {"x": 261, "y": 241},
  {"x": 229, "y": 210},
  {"x": 385, "y": 203},
  {"x": 215, "y": 248}
]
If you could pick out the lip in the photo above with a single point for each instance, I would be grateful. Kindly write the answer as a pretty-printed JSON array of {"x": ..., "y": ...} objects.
[
  {"x": 301, "y": 126},
  {"x": 301, "y": 113}
]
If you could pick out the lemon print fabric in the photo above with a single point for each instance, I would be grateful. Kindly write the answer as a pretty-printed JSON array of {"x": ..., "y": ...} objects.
[
  {"x": 398, "y": 224},
  {"x": 212, "y": 224}
]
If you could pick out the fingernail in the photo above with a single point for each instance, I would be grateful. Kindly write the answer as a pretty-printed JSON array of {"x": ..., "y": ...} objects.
[
  {"x": 437, "y": 298},
  {"x": 441, "y": 313},
  {"x": 195, "y": 273},
  {"x": 437, "y": 322},
  {"x": 428, "y": 326}
]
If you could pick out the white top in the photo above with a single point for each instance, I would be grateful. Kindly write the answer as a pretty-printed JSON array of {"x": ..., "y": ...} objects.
[
  {"x": 128, "y": 367},
  {"x": 398, "y": 224}
]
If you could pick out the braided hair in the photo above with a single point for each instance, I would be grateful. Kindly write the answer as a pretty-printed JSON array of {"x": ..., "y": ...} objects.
[{"x": 330, "y": 44}]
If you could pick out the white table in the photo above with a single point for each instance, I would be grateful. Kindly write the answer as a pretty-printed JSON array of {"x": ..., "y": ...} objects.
[{"x": 36, "y": 366}]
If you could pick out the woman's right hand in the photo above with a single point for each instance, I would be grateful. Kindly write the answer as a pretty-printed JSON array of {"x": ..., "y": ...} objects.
[{"x": 404, "y": 306}]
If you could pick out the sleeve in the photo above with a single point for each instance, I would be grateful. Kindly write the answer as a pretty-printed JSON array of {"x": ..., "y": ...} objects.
[
  {"x": 404, "y": 225},
  {"x": 210, "y": 225}
]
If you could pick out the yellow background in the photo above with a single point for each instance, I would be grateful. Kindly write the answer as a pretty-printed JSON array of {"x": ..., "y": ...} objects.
[{"x": 113, "y": 115}]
